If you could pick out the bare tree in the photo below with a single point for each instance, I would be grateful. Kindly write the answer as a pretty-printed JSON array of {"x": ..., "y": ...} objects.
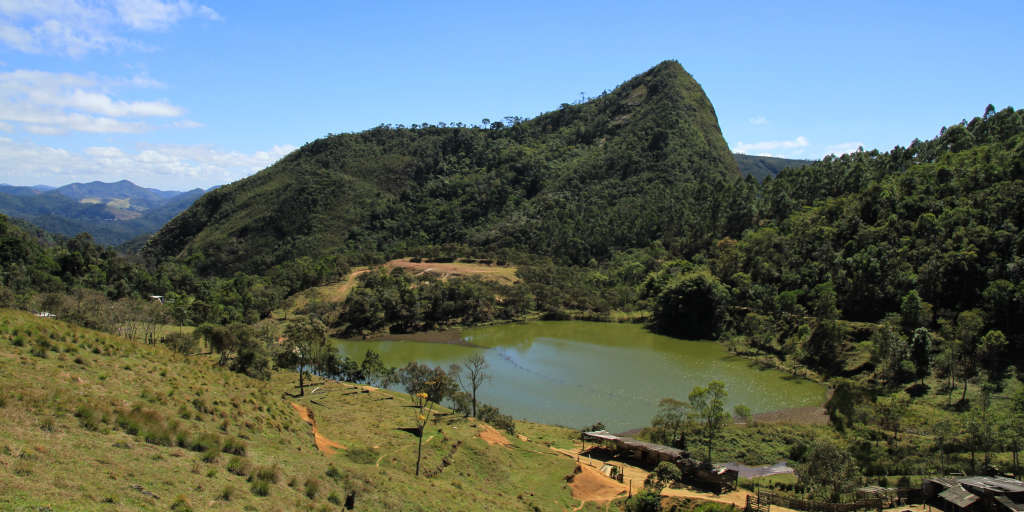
[{"x": 471, "y": 374}]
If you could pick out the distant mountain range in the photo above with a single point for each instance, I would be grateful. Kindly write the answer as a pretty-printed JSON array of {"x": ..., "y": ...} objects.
[{"x": 112, "y": 213}]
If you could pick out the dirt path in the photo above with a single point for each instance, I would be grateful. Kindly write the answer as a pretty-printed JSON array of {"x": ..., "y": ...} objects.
[
  {"x": 326, "y": 446},
  {"x": 350, "y": 282},
  {"x": 588, "y": 484},
  {"x": 492, "y": 436}
]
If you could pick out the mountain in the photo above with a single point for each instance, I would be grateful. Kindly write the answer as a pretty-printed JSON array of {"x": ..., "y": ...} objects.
[
  {"x": 635, "y": 165},
  {"x": 112, "y": 213},
  {"x": 97, "y": 190},
  {"x": 761, "y": 167}
]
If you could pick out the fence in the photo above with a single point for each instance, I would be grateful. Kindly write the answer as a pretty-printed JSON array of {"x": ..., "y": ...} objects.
[{"x": 818, "y": 506}]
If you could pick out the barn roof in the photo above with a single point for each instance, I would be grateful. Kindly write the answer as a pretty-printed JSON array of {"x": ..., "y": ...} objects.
[
  {"x": 993, "y": 484},
  {"x": 958, "y": 496},
  {"x": 637, "y": 444},
  {"x": 1010, "y": 505}
]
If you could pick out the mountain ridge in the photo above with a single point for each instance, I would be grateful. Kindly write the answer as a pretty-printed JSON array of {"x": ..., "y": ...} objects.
[
  {"x": 112, "y": 213},
  {"x": 627, "y": 161}
]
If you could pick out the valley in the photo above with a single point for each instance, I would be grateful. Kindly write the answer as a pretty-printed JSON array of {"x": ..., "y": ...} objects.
[{"x": 429, "y": 317}]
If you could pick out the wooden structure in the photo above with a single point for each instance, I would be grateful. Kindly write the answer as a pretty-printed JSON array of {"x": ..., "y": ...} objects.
[
  {"x": 975, "y": 494},
  {"x": 758, "y": 503},
  {"x": 715, "y": 478}
]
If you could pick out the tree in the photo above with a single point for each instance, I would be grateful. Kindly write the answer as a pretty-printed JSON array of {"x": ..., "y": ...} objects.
[
  {"x": 471, "y": 375},
  {"x": 372, "y": 369},
  {"x": 181, "y": 307},
  {"x": 665, "y": 474},
  {"x": 914, "y": 312},
  {"x": 671, "y": 422},
  {"x": 743, "y": 413},
  {"x": 921, "y": 352},
  {"x": 891, "y": 410},
  {"x": 692, "y": 305},
  {"x": 981, "y": 427},
  {"x": 424, "y": 407},
  {"x": 305, "y": 346},
  {"x": 707, "y": 409},
  {"x": 829, "y": 469},
  {"x": 890, "y": 350}
]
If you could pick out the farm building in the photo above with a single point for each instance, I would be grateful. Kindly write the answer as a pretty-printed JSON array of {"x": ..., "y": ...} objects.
[
  {"x": 975, "y": 494},
  {"x": 717, "y": 478}
]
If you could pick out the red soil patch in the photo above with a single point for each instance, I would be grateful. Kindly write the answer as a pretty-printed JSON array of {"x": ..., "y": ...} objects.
[
  {"x": 588, "y": 484},
  {"x": 492, "y": 436},
  {"x": 454, "y": 269},
  {"x": 326, "y": 446}
]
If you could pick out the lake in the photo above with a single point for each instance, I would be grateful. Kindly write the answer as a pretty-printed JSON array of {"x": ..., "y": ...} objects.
[{"x": 577, "y": 373}]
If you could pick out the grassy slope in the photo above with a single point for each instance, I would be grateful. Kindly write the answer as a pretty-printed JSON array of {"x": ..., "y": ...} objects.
[{"x": 49, "y": 458}]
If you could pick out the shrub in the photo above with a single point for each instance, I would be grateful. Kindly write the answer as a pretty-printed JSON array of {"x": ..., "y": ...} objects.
[
  {"x": 88, "y": 417},
  {"x": 261, "y": 488},
  {"x": 239, "y": 466},
  {"x": 204, "y": 443},
  {"x": 267, "y": 474},
  {"x": 334, "y": 498},
  {"x": 312, "y": 488},
  {"x": 228, "y": 493},
  {"x": 210, "y": 456},
  {"x": 362, "y": 455},
  {"x": 492, "y": 415},
  {"x": 234, "y": 446},
  {"x": 181, "y": 504},
  {"x": 40, "y": 348},
  {"x": 47, "y": 424},
  {"x": 180, "y": 343},
  {"x": 333, "y": 473},
  {"x": 644, "y": 501}
]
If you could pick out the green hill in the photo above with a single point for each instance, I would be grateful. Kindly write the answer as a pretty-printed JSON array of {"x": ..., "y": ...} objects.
[
  {"x": 761, "y": 167},
  {"x": 635, "y": 165},
  {"x": 96, "y": 422}
]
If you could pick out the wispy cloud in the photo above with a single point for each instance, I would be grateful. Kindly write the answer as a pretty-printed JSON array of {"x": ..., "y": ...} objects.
[
  {"x": 759, "y": 120},
  {"x": 52, "y": 103},
  {"x": 188, "y": 123},
  {"x": 843, "y": 148},
  {"x": 771, "y": 145},
  {"x": 75, "y": 27},
  {"x": 153, "y": 165}
]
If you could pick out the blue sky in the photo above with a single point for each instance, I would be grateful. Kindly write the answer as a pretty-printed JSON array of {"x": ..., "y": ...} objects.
[{"x": 179, "y": 94}]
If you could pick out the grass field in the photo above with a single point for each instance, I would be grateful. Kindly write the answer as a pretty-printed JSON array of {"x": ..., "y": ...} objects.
[{"x": 94, "y": 422}]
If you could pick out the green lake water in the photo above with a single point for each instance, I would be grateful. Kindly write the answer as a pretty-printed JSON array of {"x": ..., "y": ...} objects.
[{"x": 577, "y": 373}]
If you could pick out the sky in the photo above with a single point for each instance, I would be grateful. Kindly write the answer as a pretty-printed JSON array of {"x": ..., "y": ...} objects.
[{"x": 183, "y": 94}]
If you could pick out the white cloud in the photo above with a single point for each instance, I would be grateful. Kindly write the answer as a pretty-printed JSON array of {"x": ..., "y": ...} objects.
[
  {"x": 772, "y": 145},
  {"x": 188, "y": 123},
  {"x": 54, "y": 103},
  {"x": 166, "y": 166},
  {"x": 158, "y": 15},
  {"x": 77, "y": 27},
  {"x": 759, "y": 120},
  {"x": 843, "y": 148}
]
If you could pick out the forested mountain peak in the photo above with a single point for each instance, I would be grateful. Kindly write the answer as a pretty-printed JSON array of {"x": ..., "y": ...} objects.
[{"x": 634, "y": 165}]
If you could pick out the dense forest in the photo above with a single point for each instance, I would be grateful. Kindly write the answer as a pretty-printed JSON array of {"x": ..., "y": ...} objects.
[{"x": 637, "y": 164}]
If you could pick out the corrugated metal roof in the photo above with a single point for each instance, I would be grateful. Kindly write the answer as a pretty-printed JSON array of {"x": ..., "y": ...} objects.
[
  {"x": 994, "y": 484},
  {"x": 958, "y": 496},
  {"x": 1010, "y": 505},
  {"x": 601, "y": 434},
  {"x": 629, "y": 442}
]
